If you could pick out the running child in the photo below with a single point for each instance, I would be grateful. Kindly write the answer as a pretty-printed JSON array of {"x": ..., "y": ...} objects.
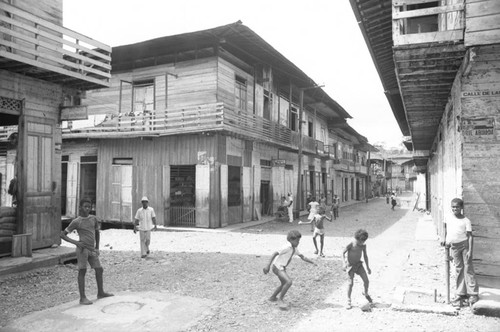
[
  {"x": 319, "y": 229},
  {"x": 279, "y": 262},
  {"x": 354, "y": 265}
]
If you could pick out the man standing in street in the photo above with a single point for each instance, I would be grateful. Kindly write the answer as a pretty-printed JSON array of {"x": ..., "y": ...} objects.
[
  {"x": 144, "y": 219},
  {"x": 290, "y": 207}
]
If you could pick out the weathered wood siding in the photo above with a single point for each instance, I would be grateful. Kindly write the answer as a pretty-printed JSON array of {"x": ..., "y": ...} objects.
[
  {"x": 482, "y": 22},
  {"x": 481, "y": 151},
  {"x": 465, "y": 159},
  {"x": 151, "y": 159},
  {"x": 194, "y": 84},
  {"x": 226, "y": 84},
  {"x": 41, "y": 214}
]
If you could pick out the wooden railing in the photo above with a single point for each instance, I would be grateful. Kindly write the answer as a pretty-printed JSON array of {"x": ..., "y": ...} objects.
[
  {"x": 426, "y": 25},
  {"x": 31, "y": 40},
  {"x": 195, "y": 119}
]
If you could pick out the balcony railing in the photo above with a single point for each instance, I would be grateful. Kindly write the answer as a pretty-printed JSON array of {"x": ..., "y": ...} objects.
[
  {"x": 196, "y": 119},
  {"x": 413, "y": 24},
  {"x": 41, "y": 49}
]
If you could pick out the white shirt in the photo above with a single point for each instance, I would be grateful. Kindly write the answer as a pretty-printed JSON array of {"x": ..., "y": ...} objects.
[
  {"x": 145, "y": 217},
  {"x": 285, "y": 256},
  {"x": 456, "y": 229}
]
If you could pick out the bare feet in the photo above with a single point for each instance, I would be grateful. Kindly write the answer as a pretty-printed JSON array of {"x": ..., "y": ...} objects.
[
  {"x": 103, "y": 295},
  {"x": 273, "y": 299},
  {"x": 85, "y": 301},
  {"x": 283, "y": 305}
]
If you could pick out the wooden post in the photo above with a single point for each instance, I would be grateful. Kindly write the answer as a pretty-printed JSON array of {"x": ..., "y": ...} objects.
[{"x": 447, "y": 272}]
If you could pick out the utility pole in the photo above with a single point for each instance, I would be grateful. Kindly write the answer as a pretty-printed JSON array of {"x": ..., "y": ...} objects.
[
  {"x": 368, "y": 166},
  {"x": 298, "y": 199}
]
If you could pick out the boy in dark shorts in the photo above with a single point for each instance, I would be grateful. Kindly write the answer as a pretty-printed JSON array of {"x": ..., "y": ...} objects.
[
  {"x": 283, "y": 258},
  {"x": 354, "y": 265},
  {"x": 87, "y": 249}
]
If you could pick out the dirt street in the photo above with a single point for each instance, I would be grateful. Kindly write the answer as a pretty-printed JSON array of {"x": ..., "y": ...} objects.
[{"x": 226, "y": 267}]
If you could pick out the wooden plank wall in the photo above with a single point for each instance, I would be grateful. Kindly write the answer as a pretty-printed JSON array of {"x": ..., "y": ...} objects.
[
  {"x": 195, "y": 84},
  {"x": 41, "y": 100},
  {"x": 50, "y": 10},
  {"x": 482, "y": 22},
  {"x": 481, "y": 176},
  {"x": 150, "y": 157},
  {"x": 226, "y": 73}
]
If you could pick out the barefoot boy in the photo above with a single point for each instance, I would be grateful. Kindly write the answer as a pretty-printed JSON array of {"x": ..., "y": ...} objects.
[
  {"x": 87, "y": 249},
  {"x": 319, "y": 229},
  {"x": 354, "y": 265},
  {"x": 279, "y": 265},
  {"x": 458, "y": 232}
]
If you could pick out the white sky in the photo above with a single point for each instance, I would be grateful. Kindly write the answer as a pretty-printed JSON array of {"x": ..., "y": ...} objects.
[{"x": 321, "y": 37}]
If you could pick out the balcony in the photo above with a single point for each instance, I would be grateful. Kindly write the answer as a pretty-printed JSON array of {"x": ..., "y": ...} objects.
[
  {"x": 35, "y": 47},
  {"x": 428, "y": 51},
  {"x": 418, "y": 21},
  {"x": 196, "y": 119},
  {"x": 342, "y": 165},
  {"x": 321, "y": 149}
]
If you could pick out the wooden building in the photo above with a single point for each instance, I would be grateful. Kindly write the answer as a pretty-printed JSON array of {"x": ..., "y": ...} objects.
[
  {"x": 439, "y": 64},
  {"x": 214, "y": 126},
  {"x": 43, "y": 66}
]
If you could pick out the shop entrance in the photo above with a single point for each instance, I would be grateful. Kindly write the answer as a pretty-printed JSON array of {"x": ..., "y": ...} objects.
[{"x": 182, "y": 195}]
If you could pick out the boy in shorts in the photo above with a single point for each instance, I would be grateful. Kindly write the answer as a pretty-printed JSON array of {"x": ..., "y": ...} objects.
[
  {"x": 283, "y": 258},
  {"x": 354, "y": 265},
  {"x": 319, "y": 229},
  {"x": 87, "y": 249}
]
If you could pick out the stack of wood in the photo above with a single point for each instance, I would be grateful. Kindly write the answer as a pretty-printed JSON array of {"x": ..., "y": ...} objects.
[{"x": 8, "y": 227}]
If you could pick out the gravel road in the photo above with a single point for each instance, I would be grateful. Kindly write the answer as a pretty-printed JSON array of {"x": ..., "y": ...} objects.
[{"x": 226, "y": 267}]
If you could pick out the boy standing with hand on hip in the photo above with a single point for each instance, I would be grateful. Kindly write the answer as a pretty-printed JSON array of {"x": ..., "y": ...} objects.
[
  {"x": 87, "y": 249},
  {"x": 144, "y": 219}
]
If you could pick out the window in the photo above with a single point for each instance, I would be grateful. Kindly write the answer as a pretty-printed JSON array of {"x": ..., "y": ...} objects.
[
  {"x": 241, "y": 93},
  {"x": 293, "y": 119},
  {"x": 143, "y": 98},
  {"x": 310, "y": 128}
]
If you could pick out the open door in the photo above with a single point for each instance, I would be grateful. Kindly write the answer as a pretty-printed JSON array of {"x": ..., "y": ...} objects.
[{"x": 39, "y": 210}]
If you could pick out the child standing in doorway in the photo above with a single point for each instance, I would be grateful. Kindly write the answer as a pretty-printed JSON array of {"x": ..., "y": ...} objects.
[
  {"x": 354, "y": 265},
  {"x": 279, "y": 262},
  {"x": 87, "y": 249}
]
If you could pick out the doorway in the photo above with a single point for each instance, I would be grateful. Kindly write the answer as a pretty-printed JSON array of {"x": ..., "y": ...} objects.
[{"x": 264, "y": 198}]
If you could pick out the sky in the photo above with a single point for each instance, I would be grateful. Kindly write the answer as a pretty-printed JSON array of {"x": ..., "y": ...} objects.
[{"x": 321, "y": 37}]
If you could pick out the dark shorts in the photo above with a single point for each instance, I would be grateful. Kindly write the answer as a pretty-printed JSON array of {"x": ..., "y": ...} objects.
[
  {"x": 356, "y": 269},
  {"x": 84, "y": 255}
]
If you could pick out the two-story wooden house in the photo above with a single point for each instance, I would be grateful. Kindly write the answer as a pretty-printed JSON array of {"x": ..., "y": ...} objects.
[
  {"x": 439, "y": 64},
  {"x": 214, "y": 126},
  {"x": 42, "y": 66}
]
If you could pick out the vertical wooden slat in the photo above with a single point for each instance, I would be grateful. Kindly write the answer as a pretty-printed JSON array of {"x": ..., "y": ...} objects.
[
  {"x": 223, "y": 196},
  {"x": 72, "y": 189},
  {"x": 246, "y": 181},
  {"x": 202, "y": 195}
]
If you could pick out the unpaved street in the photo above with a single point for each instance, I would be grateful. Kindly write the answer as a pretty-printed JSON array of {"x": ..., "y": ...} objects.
[{"x": 226, "y": 267}]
